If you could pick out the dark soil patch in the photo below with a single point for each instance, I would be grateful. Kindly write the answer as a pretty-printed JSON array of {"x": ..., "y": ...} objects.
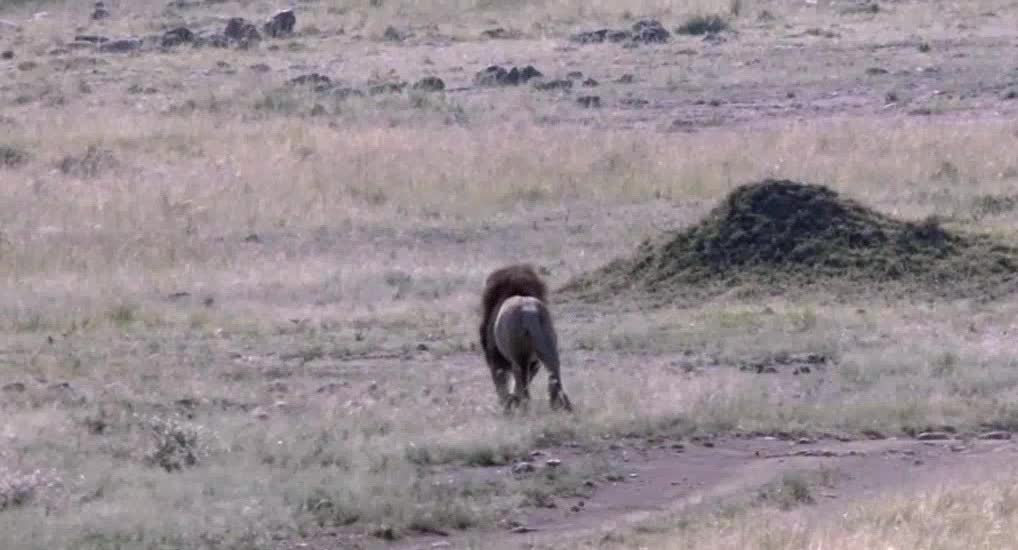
[{"x": 783, "y": 234}]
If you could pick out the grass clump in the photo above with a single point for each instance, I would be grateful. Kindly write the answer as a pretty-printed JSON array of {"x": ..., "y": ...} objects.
[
  {"x": 702, "y": 24},
  {"x": 784, "y": 234},
  {"x": 12, "y": 156}
]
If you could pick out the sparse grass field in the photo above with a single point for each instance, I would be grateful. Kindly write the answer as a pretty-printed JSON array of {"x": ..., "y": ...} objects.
[{"x": 236, "y": 313}]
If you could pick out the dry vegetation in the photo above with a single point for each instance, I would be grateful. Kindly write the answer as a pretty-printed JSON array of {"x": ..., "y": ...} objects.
[{"x": 237, "y": 314}]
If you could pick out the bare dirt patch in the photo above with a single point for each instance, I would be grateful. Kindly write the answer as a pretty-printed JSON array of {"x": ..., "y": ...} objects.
[{"x": 651, "y": 480}]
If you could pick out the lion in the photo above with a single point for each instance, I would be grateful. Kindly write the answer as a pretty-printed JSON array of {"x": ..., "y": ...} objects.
[{"x": 518, "y": 335}]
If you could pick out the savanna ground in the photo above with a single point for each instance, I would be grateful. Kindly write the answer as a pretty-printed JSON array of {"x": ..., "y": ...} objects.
[{"x": 241, "y": 314}]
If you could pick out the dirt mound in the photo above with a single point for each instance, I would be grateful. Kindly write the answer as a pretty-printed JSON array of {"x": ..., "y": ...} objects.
[{"x": 783, "y": 234}]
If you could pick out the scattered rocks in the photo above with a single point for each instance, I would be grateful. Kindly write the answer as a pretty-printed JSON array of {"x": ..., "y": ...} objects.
[
  {"x": 601, "y": 35},
  {"x": 933, "y": 436},
  {"x": 121, "y": 45},
  {"x": 522, "y": 467},
  {"x": 499, "y": 33},
  {"x": 645, "y": 31},
  {"x": 430, "y": 84},
  {"x": 136, "y": 89},
  {"x": 100, "y": 12},
  {"x": 14, "y": 387},
  {"x": 498, "y": 76},
  {"x": 280, "y": 24},
  {"x": 176, "y": 37},
  {"x": 241, "y": 31},
  {"x": 318, "y": 82},
  {"x": 634, "y": 102},
  {"x": 589, "y": 101},
  {"x": 387, "y": 88},
  {"x": 650, "y": 31},
  {"x": 91, "y": 39},
  {"x": 331, "y": 387},
  {"x": 557, "y": 84}
]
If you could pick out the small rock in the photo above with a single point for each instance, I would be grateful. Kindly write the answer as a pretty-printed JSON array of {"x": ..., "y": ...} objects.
[
  {"x": 14, "y": 387},
  {"x": 523, "y": 467},
  {"x": 1011, "y": 94},
  {"x": 27, "y": 65},
  {"x": 650, "y": 31},
  {"x": 422, "y": 347},
  {"x": 331, "y": 387},
  {"x": 876, "y": 70},
  {"x": 121, "y": 45},
  {"x": 7, "y": 54},
  {"x": 536, "y": 454},
  {"x": 805, "y": 441},
  {"x": 498, "y": 76},
  {"x": 441, "y": 544},
  {"x": 176, "y": 37},
  {"x": 280, "y": 24},
  {"x": 626, "y": 79},
  {"x": 558, "y": 84},
  {"x": 996, "y": 435},
  {"x": 91, "y": 38},
  {"x": 240, "y": 30},
  {"x": 933, "y": 436},
  {"x": 589, "y": 101},
  {"x": 100, "y": 12},
  {"x": 260, "y": 413},
  {"x": 601, "y": 35},
  {"x": 393, "y": 35},
  {"x": 553, "y": 462},
  {"x": 318, "y": 82},
  {"x": 633, "y": 102},
  {"x": 430, "y": 84},
  {"x": 590, "y": 83},
  {"x": 260, "y": 68},
  {"x": 387, "y": 88},
  {"x": 522, "y": 529},
  {"x": 499, "y": 33}
]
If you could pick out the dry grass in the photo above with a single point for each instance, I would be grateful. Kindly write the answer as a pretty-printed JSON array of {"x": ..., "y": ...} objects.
[
  {"x": 289, "y": 388},
  {"x": 952, "y": 515}
]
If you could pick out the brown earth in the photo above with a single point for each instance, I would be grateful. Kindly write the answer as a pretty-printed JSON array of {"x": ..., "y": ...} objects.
[{"x": 666, "y": 478}]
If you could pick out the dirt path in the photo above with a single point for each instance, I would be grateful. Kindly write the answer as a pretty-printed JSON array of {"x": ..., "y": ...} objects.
[{"x": 664, "y": 480}]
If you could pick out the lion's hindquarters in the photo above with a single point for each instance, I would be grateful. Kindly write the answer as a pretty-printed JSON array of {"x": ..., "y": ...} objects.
[{"x": 524, "y": 331}]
